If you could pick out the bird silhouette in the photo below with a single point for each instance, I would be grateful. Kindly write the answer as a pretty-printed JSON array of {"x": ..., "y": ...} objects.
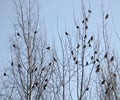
[
  {"x": 105, "y": 56},
  {"x": 18, "y": 34},
  {"x": 35, "y": 32},
  {"x": 78, "y": 45},
  {"x": 19, "y": 65},
  {"x": 86, "y": 63},
  {"x": 106, "y": 17},
  {"x": 87, "y": 89},
  {"x": 77, "y": 27},
  {"x": 14, "y": 46},
  {"x": 89, "y": 11},
  {"x": 86, "y": 19},
  {"x": 36, "y": 69},
  {"x": 66, "y": 33},
  {"x": 86, "y": 27},
  {"x": 4, "y": 74},
  {"x": 112, "y": 58},
  {"x": 48, "y": 48},
  {"x": 85, "y": 36},
  {"x": 12, "y": 63},
  {"x": 95, "y": 52},
  {"x": 103, "y": 82},
  {"x": 91, "y": 38}
]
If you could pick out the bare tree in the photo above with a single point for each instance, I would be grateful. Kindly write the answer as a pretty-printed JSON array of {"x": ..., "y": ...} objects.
[{"x": 29, "y": 72}]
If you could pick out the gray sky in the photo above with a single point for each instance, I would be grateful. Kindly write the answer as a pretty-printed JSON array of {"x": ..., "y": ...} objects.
[{"x": 61, "y": 10}]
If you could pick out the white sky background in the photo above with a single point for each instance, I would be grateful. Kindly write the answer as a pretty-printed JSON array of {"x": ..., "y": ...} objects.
[{"x": 61, "y": 11}]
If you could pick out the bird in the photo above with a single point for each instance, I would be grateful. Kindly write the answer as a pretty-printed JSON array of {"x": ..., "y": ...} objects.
[
  {"x": 86, "y": 19},
  {"x": 105, "y": 56},
  {"x": 85, "y": 36},
  {"x": 72, "y": 52},
  {"x": 87, "y": 89},
  {"x": 77, "y": 27},
  {"x": 14, "y": 46},
  {"x": 54, "y": 59},
  {"x": 91, "y": 38},
  {"x": 83, "y": 21},
  {"x": 86, "y": 27},
  {"x": 103, "y": 82},
  {"x": 19, "y": 65},
  {"x": 91, "y": 57},
  {"x": 18, "y": 34},
  {"x": 106, "y": 17},
  {"x": 66, "y": 33},
  {"x": 50, "y": 64},
  {"x": 97, "y": 60},
  {"x": 112, "y": 58},
  {"x": 84, "y": 46},
  {"x": 4, "y": 74},
  {"x": 74, "y": 58},
  {"x": 12, "y": 63},
  {"x": 48, "y": 48},
  {"x": 95, "y": 52},
  {"x": 98, "y": 69},
  {"x": 36, "y": 69},
  {"x": 89, "y": 11},
  {"x": 35, "y": 32},
  {"x": 76, "y": 62},
  {"x": 78, "y": 45},
  {"x": 86, "y": 63}
]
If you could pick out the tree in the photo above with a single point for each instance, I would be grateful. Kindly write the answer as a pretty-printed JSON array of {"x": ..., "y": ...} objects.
[{"x": 29, "y": 71}]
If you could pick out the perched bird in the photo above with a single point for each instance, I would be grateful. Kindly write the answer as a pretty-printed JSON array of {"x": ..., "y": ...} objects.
[
  {"x": 112, "y": 58},
  {"x": 91, "y": 57},
  {"x": 89, "y": 11},
  {"x": 50, "y": 64},
  {"x": 85, "y": 36},
  {"x": 44, "y": 87},
  {"x": 35, "y": 32},
  {"x": 97, "y": 60},
  {"x": 36, "y": 69},
  {"x": 86, "y": 19},
  {"x": 88, "y": 41},
  {"x": 18, "y": 34},
  {"x": 66, "y": 33},
  {"x": 103, "y": 82},
  {"x": 105, "y": 56},
  {"x": 84, "y": 46},
  {"x": 95, "y": 52},
  {"x": 76, "y": 62},
  {"x": 19, "y": 65},
  {"x": 77, "y": 27},
  {"x": 86, "y": 63},
  {"x": 87, "y": 89},
  {"x": 78, "y": 45},
  {"x": 89, "y": 45},
  {"x": 14, "y": 46},
  {"x": 74, "y": 58},
  {"x": 12, "y": 63},
  {"x": 54, "y": 59},
  {"x": 4, "y": 74},
  {"x": 72, "y": 52},
  {"x": 86, "y": 27},
  {"x": 43, "y": 68},
  {"x": 83, "y": 21},
  {"x": 106, "y": 17},
  {"x": 48, "y": 48},
  {"x": 98, "y": 69},
  {"x": 91, "y": 38}
]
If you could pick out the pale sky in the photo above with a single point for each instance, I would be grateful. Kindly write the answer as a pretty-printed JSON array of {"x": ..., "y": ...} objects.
[{"x": 61, "y": 11}]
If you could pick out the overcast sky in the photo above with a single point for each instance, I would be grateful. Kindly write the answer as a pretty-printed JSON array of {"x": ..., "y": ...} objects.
[{"x": 61, "y": 11}]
